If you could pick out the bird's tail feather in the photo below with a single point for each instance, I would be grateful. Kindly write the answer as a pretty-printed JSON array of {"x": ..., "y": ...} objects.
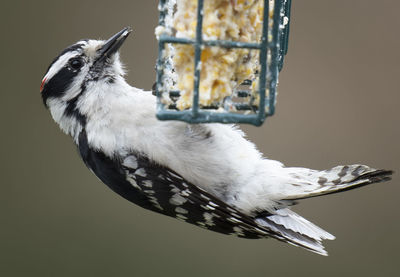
[
  {"x": 337, "y": 179},
  {"x": 296, "y": 230},
  {"x": 306, "y": 183}
]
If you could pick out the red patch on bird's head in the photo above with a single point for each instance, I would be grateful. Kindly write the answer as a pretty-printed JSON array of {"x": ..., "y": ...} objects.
[{"x": 42, "y": 85}]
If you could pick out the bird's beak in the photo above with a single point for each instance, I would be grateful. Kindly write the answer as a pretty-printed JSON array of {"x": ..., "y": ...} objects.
[{"x": 112, "y": 45}]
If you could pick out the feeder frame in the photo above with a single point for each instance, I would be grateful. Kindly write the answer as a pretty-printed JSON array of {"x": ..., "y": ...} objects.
[{"x": 268, "y": 75}]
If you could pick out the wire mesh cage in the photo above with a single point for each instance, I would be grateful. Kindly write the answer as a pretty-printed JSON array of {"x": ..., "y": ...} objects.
[{"x": 202, "y": 78}]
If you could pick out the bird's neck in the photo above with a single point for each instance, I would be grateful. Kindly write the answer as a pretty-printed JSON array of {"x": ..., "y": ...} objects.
[{"x": 67, "y": 116}]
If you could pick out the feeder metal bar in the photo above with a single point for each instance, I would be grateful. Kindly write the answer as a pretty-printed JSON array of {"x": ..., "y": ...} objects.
[{"x": 220, "y": 43}]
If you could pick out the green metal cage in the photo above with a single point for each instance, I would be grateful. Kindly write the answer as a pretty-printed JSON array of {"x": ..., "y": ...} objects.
[{"x": 273, "y": 47}]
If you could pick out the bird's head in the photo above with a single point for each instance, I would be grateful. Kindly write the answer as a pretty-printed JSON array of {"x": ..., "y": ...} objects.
[{"x": 87, "y": 67}]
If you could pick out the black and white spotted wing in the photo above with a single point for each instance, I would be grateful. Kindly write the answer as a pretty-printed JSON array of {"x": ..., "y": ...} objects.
[
  {"x": 159, "y": 189},
  {"x": 171, "y": 195}
]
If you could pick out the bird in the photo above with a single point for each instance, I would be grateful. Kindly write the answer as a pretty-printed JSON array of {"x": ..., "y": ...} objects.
[{"x": 209, "y": 175}]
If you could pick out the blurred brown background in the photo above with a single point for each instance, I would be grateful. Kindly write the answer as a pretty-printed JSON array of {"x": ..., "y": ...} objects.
[{"x": 338, "y": 103}]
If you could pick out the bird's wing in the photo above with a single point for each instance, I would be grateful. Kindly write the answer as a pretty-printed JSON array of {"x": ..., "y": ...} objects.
[
  {"x": 171, "y": 195},
  {"x": 157, "y": 188}
]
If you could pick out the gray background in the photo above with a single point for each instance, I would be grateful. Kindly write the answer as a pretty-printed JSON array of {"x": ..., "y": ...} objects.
[{"x": 338, "y": 103}]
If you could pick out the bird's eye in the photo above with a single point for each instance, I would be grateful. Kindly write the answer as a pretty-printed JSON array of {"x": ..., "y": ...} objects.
[{"x": 76, "y": 63}]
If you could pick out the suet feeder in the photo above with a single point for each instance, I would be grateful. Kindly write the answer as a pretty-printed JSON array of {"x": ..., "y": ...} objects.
[{"x": 253, "y": 99}]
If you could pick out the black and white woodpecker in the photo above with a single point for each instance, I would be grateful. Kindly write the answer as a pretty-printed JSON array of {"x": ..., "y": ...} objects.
[{"x": 206, "y": 174}]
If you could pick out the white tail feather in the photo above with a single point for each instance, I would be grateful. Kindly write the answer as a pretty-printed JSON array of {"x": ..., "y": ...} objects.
[
  {"x": 297, "y": 230},
  {"x": 310, "y": 183}
]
